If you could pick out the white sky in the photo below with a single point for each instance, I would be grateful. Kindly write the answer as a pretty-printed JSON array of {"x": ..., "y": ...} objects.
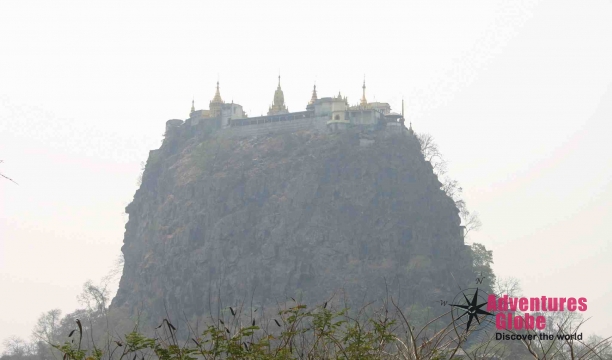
[{"x": 518, "y": 95}]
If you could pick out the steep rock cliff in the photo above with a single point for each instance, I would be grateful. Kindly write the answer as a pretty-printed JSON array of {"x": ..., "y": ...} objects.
[{"x": 289, "y": 215}]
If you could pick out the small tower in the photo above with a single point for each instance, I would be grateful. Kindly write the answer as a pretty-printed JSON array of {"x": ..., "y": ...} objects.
[
  {"x": 216, "y": 104},
  {"x": 364, "y": 102},
  {"x": 278, "y": 107},
  {"x": 314, "y": 95},
  {"x": 217, "y": 98},
  {"x": 338, "y": 119},
  {"x": 313, "y": 98}
]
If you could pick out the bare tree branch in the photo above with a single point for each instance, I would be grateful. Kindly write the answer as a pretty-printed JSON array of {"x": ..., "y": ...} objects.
[
  {"x": 6, "y": 177},
  {"x": 432, "y": 154}
]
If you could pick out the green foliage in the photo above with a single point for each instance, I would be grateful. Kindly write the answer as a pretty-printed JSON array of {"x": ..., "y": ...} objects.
[
  {"x": 482, "y": 261},
  {"x": 481, "y": 256},
  {"x": 296, "y": 332}
]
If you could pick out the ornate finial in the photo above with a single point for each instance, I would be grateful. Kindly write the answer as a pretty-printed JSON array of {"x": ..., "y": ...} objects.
[
  {"x": 364, "y": 102},
  {"x": 217, "y": 98},
  {"x": 278, "y": 106},
  {"x": 192, "y": 106},
  {"x": 314, "y": 95}
]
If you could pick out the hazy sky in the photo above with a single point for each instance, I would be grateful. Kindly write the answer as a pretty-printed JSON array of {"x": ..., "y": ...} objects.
[{"x": 518, "y": 95}]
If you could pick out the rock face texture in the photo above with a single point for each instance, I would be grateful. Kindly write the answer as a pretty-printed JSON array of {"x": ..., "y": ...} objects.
[{"x": 304, "y": 214}]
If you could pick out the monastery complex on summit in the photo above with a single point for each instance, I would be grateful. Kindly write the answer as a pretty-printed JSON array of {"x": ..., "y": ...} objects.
[{"x": 327, "y": 113}]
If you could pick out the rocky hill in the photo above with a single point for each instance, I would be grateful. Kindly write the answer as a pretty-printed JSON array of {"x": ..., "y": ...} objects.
[{"x": 305, "y": 214}]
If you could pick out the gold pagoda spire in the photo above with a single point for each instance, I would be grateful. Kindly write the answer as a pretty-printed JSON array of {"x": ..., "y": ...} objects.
[
  {"x": 314, "y": 95},
  {"x": 217, "y": 98},
  {"x": 278, "y": 106},
  {"x": 364, "y": 102}
]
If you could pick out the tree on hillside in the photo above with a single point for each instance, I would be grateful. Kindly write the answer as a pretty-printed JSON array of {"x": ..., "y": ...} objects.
[
  {"x": 469, "y": 220},
  {"x": 482, "y": 261},
  {"x": 16, "y": 347},
  {"x": 95, "y": 297},
  {"x": 47, "y": 328},
  {"x": 566, "y": 323},
  {"x": 432, "y": 153},
  {"x": 509, "y": 286}
]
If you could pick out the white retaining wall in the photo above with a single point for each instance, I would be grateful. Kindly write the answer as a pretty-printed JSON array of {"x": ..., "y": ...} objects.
[{"x": 316, "y": 123}]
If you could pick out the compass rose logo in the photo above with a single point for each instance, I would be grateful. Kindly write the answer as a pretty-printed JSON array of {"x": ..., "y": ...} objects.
[{"x": 471, "y": 308}]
